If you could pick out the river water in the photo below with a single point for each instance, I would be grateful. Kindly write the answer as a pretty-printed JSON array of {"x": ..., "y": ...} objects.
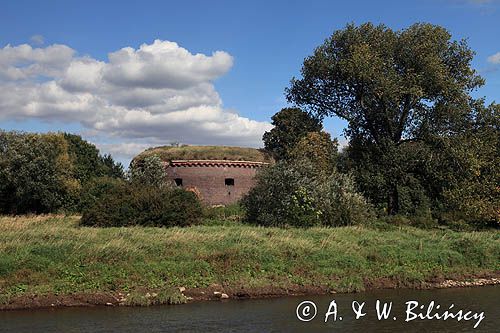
[{"x": 274, "y": 315}]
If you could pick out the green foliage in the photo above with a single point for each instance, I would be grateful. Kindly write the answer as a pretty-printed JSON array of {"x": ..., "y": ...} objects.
[
  {"x": 222, "y": 215},
  {"x": 396, "y": 175},
  {"x": 125, "y": 204},
  {"x": 339, "y": 202},
  {"x": 319, "y": 149},
  {"x": 393, "y": 88},
  {"x": 150, "y": 172},
  {"x": 36, "y": 173},
  {"x": 290, "y": 125},
  {"x": 282, "y": 196},
  {"x": 388, "y": 83},
  {"x": 469, "y": 169},
  {"x": 42, "y": 173},
  {"x": 110, "y": 168},
  {"x": 296, "y": 194},
  {"x": 87, "y": 161},
  {"x": 95, "y": 189}
]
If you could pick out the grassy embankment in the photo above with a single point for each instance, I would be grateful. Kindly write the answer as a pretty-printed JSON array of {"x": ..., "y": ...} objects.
[{"x": 54, "y": 256}]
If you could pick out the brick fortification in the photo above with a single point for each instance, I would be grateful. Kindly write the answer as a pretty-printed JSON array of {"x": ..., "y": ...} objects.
[{"x": 217, "y": 182}]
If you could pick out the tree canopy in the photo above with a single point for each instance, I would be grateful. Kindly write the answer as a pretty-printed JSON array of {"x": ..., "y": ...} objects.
[
  {"x": 319, "y": 149},
  {"x": 43, "y": 173},
  {"x": 290, "y": 125},
  {"x": 401, "y": 92},
  {"x": 389, "y": 85}
]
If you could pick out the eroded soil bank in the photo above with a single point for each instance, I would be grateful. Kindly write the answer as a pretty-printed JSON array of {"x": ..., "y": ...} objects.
[{"x": 218, "y": 293}]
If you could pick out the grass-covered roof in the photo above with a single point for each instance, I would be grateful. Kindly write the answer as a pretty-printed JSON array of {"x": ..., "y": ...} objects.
[{"x": 170, "y": 153}]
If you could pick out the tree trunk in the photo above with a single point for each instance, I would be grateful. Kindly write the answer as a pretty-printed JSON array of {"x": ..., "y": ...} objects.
[{"x": 393, "y": 201}]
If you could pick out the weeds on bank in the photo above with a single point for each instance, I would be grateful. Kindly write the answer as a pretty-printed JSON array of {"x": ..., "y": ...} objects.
[{"x": 53, "y": 255}]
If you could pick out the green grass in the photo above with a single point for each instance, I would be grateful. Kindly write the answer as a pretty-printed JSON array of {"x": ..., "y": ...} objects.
[
  {"x": 53, "y": 255},
  {"x": 168, "y": 153}
]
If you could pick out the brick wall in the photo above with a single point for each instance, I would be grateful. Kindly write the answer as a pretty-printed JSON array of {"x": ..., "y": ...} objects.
[{"x": 209, "y": 181}]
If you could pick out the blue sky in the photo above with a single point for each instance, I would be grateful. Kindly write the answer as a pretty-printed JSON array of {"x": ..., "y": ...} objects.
[{"x": 263, "y": 46}]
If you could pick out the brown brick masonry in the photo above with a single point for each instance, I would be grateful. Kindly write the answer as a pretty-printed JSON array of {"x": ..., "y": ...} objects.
[{"x": 217, "y": 182}]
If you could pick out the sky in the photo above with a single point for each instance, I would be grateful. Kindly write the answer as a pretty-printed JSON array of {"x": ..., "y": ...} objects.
[{"x": 127, "y": 75}]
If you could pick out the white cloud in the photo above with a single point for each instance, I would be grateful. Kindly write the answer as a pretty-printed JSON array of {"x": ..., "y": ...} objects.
[
  {"x": 24, "y": 62},
  {"x": 123, "y": 150},
  {"x": 158, "y": 93},
  {"x": 37, "y": 39},
  {"x": 495, "y": 58},
  {"x": 164, "y": 65}
]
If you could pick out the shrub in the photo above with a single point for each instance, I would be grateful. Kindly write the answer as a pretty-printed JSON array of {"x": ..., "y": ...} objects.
[
  {"x": 296, "y": 194},
  {"x": 126, "y": 204},
  {"x": 283, "y": 195},
  {"x": 217, "y": 215},
  {"x": 95, "y": 189},
  {"x": 150, "y": 172},
  {"x": 339, "y": 202}
]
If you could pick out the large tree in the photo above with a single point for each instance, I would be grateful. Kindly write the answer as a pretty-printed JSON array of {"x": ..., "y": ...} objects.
[
  {"x": 392, "y": 87},
  {"x": 468, "y": 168}
]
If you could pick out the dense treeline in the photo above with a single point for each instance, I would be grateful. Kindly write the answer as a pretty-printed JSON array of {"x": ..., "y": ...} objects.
[
  {"x": 43, "y": 173},
  {"x": 61, "y": 172},
  {"x": 421, "y": 150}
]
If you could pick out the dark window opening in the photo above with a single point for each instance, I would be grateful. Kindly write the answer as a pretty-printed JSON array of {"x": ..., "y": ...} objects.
[
  {"x": 178, "y": 181},
  {"x": 229, "y": 181}
]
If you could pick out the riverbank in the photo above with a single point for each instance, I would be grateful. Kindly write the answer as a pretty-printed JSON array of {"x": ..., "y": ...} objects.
[
  {"x": 217, "y": 292},
  {"x": 51, "y": 261}
]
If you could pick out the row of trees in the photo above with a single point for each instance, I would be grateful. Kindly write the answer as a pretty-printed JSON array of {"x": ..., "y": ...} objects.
[
  {"x": 61, "y": 172},
  {"x": 41, "y": 173},
  {"x": 419, "y": 144}
]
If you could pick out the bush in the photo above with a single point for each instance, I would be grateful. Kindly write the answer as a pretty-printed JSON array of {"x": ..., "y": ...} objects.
[
  {"x": 95, "y": 189},
  {"x": 282, "y": 196},
  {"x": 150, "y": 172},
  {"x": 126, "y": 204},
  {"x": 296, "y": 194},
  {"x": 339, "y": 202}
]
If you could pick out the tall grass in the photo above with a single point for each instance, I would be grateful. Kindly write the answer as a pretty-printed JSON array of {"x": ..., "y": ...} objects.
[
  {"x": 168, "y": 153},
  {"x": 52, "y": 254}
]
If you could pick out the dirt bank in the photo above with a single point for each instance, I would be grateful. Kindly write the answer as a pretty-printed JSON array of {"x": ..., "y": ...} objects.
[{"x": 218, "y": 293}]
